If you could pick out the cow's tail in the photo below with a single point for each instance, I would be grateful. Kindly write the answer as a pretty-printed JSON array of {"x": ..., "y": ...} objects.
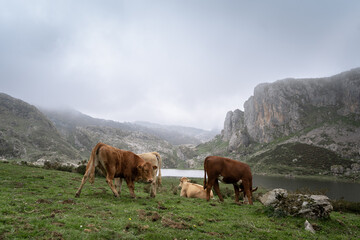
[
  {"x": 160, "y": 163},
  {"x": 205, "y": 168},
  {"x": 92, "y": 162}
]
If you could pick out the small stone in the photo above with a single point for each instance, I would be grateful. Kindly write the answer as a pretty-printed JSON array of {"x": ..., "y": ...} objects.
[{"x": 309, "y": 227}]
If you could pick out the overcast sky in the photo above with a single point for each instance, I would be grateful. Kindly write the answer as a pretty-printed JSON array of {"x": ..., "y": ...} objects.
[{"x": 170, "y": 62}]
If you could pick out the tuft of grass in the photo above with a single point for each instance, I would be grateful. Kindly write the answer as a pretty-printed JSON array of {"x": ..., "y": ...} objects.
[{"x": 38, "y": 203}]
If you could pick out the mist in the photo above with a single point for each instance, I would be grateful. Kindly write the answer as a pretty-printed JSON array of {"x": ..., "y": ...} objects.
[{"x": 169, "y": 62}]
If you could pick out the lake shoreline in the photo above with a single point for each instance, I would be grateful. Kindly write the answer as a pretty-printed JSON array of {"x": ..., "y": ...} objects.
[
  {"x": 311, "y": 177},
  {"x": 333, "y": 188}
]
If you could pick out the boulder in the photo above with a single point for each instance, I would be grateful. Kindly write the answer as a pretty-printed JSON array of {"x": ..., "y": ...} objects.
[
  {"x": 272, "y": 197},
  {"x": 40, "y": 162},
  {"x": 308, "y": 206}
]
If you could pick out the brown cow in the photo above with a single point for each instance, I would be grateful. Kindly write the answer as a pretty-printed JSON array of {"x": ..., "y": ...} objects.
[
  {"x": 228, "y": 171},
  {"x": 192, "y": 190},
  {"x": 155, "y": 160},
  {"x": 117, "y": 163}
]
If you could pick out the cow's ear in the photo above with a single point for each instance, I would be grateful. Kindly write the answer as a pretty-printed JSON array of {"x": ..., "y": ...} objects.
[{"x": 154, "y": 167}]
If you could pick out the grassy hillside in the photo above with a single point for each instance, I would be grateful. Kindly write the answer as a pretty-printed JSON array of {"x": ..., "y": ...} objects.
[
  {"x": 297, "y": 159},
  {"x": 40, "y": 204},
  {"x": 282, "y": 156}
]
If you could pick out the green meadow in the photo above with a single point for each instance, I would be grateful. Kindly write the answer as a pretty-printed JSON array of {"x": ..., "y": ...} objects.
[{"x": 37, "y": 203}]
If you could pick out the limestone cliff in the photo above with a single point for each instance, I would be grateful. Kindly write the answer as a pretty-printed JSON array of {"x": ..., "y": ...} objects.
[
  {"x": 290, "y": 106},
  {"x": 235, "y": 130}
]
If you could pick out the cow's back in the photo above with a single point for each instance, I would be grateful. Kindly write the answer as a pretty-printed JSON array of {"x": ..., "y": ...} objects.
[
  {"x": 220, "y": 166},
  {"x": 214, "y": 165},
  {"x": 236, "y": 168},
  {"x": 120, "y": 161}
]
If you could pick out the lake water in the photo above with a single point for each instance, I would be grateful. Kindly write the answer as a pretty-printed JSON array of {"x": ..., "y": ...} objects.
[{"x": 332, "y": 189}]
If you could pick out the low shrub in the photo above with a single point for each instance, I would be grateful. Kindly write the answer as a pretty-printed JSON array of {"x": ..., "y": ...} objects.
[
  {"x": 345, "y": 206},
  {"x": 58, "y": 166},
  {"x": 81, "y": 169}
]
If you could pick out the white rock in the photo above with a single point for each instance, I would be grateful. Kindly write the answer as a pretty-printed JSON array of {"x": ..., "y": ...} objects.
[
  {"x": 309, "y": 227},
  {"x": 271, "y": 198}
]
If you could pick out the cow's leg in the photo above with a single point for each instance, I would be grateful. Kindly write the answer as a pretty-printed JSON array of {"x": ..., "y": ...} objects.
[
  {"x": 153, "y": 189},
  {"x": 118, "y": 182},
  {"x": 83, "y": 181},
  {"x": 131, "y": 187},
  {"x": 217, "y": 190},
  {"x": 209, "y": 186},
  {"x": 247, "y": 191},
  {"x": 109, "y": 180},
  {"x": 236, "y": 189}
]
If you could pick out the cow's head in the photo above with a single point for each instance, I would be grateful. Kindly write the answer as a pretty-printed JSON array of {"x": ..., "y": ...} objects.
[
  {"x": 182, "y": 181},
  {"x": 146, "y": 172}
]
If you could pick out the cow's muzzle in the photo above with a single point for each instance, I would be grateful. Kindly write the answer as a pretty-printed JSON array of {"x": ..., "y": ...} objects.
[{"x": 150, "y": 180}]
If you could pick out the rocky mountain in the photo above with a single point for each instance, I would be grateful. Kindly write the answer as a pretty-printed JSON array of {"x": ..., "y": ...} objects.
[
  {"x": 295, "y": 127},
  {"x": 68, "y": 136},
  {"x": 83, "y": 132},
  {"x": 84, "y": 138},
  {"x": 66, "y": 120},
  {"x": 322, "y": 111},
  {"x": 25, "y": 133},
  {"x": 179, "y": 135}
]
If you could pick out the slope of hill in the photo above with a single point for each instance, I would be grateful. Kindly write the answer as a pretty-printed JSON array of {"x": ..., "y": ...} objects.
[{"x": 25, "y": 133}]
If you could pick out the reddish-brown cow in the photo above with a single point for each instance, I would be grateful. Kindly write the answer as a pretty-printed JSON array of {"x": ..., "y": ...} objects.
[
  {"x": 117, "y": 163},
  {"x": 228, "y": 171}
]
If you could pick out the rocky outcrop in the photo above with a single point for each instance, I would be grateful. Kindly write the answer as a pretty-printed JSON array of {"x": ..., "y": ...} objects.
[
  {"x": 235, "y": 130},
  {"x": 271, "y": 198},
  {"x": 307, "y": 206},
  {"x": 290, "y": 106}
]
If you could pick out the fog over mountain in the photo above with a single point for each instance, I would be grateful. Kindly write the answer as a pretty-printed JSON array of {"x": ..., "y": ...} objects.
[{"x": 169, "y": 62}]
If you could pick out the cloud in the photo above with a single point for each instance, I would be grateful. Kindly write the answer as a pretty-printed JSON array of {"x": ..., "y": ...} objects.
[{"x": 171, "y": 62}]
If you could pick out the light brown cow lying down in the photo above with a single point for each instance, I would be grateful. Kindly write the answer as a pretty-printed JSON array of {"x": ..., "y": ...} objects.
[
  {"x": 192, "y": 190},
  {"x": 155, "y": 160}
]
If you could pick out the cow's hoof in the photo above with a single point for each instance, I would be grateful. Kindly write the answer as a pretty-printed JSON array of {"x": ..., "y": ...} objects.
[{"x": 77, "y": 195}]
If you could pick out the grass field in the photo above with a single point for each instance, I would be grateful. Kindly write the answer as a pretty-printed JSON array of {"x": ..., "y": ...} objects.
[{"x": 39, "y": 204}]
